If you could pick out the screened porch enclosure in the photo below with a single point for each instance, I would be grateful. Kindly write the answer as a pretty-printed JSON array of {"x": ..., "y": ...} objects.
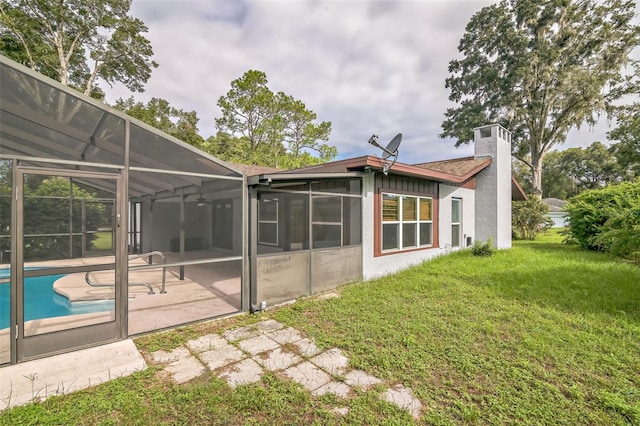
[
  {"x": 306, "y": 236},
  {"x": 129, "y": 228}
]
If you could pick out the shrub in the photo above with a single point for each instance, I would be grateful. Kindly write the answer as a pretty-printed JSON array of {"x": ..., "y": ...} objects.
[
  {"x": 483, "y": 249},
  {"x": 529, "y": 218},
  {"x": 589, "y": 211},
  {"x": 620, "y": 234}
]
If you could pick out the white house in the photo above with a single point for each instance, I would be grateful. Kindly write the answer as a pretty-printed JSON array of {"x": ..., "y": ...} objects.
[
  {"x": 138, "y": 231},
  {"x": 556, "y": 212},
  {"x": 321, "y": 226}
]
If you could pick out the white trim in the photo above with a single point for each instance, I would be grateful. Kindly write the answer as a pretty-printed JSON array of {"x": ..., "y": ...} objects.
[{"x": 400, "y": 222}]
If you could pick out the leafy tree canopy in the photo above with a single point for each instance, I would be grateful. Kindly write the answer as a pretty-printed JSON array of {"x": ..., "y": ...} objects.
[
  {"x": 265, "y": 128},
  {"x": 160, "y": 114},
  {"x": 540, "y": 69},
  {"x": 627, "y": 149},
  {"x": 78, "y": 42},
  {"x": 556, "y": 182},
  {"x": 590, "y": 168}
]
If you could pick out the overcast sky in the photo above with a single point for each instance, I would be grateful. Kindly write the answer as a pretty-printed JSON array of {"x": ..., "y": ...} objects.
[{"x": 366, "y": 66}]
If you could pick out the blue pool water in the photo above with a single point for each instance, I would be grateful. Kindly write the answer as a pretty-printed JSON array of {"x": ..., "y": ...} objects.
[{"x": 40, "y": 301}]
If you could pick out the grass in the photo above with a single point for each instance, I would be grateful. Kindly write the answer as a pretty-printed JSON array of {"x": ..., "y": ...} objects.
[
  {"x": 102, "y": 241},
  {"x": 540, "y": 334}
]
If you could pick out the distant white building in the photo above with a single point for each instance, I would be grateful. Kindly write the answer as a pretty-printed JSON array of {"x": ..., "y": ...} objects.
[{"x": 556, "y": 212}]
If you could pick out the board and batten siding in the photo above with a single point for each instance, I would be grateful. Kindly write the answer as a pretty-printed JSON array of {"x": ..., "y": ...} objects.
[{"x": 405, "y": 185}]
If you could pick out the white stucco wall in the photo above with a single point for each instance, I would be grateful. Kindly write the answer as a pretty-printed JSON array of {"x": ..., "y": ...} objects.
[
  {"x": 448, "y": 192},
  {"x": 493, "y": 186},
  {"x": 374, "y": 267}
]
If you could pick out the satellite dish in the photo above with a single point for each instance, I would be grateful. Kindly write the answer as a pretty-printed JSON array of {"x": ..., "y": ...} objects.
[{"x": 391, "y": 150}]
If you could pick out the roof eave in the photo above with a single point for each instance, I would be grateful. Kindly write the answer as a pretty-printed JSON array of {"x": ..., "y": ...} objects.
[{"x": 266, "y": 179}]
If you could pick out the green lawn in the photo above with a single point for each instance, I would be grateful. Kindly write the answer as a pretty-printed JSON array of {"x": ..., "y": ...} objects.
[
  {"x": 102, "y": 241},
  {"x": 540, "y": 334}
]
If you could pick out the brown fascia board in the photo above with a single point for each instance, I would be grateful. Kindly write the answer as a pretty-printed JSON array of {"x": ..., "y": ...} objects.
[
  {"x": 372, "y": 163},
  {"x": 332, "y": 167},
  {"x": 517, "y": 193}
]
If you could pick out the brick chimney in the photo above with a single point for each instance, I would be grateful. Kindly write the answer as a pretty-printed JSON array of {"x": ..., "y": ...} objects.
[{"x": 493, "y": 185}]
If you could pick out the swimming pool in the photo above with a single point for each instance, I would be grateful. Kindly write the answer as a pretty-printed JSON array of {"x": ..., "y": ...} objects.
[{"x": 40, "y": 301}]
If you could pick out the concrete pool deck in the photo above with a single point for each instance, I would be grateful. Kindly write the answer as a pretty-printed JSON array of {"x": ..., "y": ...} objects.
[
  {"x": 207, "y": 291},
  {"x": 65, "y": 373}
]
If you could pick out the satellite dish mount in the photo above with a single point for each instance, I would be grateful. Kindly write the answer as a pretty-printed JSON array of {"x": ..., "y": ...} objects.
[{"x": 389, "y": 152}]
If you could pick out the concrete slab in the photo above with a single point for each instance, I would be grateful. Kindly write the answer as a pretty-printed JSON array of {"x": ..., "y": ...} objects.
[
  {"x": 306, "y": 348},
  {"x": 206, "y": 343},
  {"x": 65, "y": 373},
  {"x": 242, "y": 333},
  {"x": 243, "y": 373},
  {"x": 269, "y": 325},
  {"x": 183, "y": 370},
  {"x": 221, "y": 356},
  {"x": 358, "y": 378},
  {"x": 339, "y": 389},
  {"x": 165, "y": 357},
  {"x": 285, "y": 335},
  {"x": 403, "y": 398},
  {"x": 308, "y": 375},
  {"x": 258, "y": 344},
  {"x": 332, "y": 361},
  {"x": 277, "y": 359}
]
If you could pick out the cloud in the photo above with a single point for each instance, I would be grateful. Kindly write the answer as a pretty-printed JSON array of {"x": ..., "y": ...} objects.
[{"x": 366, "y": 66}]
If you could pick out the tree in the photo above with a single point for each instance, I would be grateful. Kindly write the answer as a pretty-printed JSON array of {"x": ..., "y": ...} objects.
[
  {"x": 540, "y": 69},
  {"x": 49, "y": 203},
  {"x": 300, "y": 132},
  {"x": 590, "y": 168},
  {"x": 273, "y": 129},
  {"x": 78, "y": 42},
  {"x": 160, "y": 114},
  {"x": 627, "y": 149},
  {"x": 249, "y": 111},
  {"x": 238, "y": 150},
  {"x": 520, "y": 173},
  {"x": 530, "y": 218},
  {"x": 556, "y": 183}
]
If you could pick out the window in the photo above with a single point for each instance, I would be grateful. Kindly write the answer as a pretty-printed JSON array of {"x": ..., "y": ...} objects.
[
  {"x": 268, "y": 221},
  {"x": 426, "y": 222},
  {"x": 296, "y": 220},
  {"x": 407, "y": 222},
  {"x": 456, "y": 210}
]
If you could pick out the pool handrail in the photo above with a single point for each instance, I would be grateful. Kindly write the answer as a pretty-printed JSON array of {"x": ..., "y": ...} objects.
[{"x": 133, "y": 257}]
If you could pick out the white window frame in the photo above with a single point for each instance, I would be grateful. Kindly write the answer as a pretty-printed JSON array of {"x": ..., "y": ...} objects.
[
  {"x": 458, "y": 223},
  {"x": 400, "y": 222},
  {"x": 430, "y": 243}
]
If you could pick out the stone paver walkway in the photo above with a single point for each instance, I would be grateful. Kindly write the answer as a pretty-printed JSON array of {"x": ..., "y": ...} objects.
[{"x": 241, "y": 355}]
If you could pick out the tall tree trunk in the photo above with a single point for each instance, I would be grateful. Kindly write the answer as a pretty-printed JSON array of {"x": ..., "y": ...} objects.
[{"x": 536, "y": 174}]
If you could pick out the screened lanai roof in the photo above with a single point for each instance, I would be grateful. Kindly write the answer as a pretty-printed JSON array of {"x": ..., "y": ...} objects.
[{"x": 42, "y": 121}]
